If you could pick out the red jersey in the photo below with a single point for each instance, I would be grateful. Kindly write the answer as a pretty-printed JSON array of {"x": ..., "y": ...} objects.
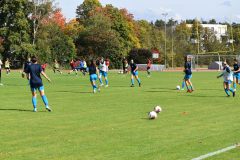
[
  {"x": 107, "y": 62},
  {"x": 44, "y": 66},
  {"x": 149, "y": 64},
  {"x": 72, "y": 64},
  {"x": 77, "y": 63}
]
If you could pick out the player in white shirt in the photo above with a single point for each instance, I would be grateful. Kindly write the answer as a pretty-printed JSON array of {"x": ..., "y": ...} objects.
[
  {"x": 103, "y": 68},
  {"x": 227, "y": 75}
]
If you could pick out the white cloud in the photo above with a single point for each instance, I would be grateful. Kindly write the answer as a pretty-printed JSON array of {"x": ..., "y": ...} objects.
[{"x": 226, "y": 3}]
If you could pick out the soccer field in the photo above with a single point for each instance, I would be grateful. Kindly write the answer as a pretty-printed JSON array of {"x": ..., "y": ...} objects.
[{"x": 113, "y": 124}]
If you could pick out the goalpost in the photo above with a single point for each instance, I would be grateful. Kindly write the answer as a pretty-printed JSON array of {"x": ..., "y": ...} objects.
[{"x": 212, "y": 61}]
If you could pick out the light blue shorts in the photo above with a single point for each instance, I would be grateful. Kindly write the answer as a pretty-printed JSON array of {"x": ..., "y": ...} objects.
[
  {"x": 228, "y": 82},
  {"x": 188, "y": 76},
  {"x": 236, "y": 75},
  {"x": 39, "y": 88},
  {"x": 104, "y": 74},
  {"x": 134, "y": 73},
  {"x": 93, "y": 77}
]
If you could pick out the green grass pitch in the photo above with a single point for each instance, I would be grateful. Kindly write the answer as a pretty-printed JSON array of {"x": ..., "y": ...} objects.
[{"x": 113, "y": 124}]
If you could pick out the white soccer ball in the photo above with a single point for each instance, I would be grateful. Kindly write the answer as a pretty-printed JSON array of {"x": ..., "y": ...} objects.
[
  {"x": 152, "y": 115},
  {"x": 157, "y": 109},
  {"x": 178, "y": 88}
]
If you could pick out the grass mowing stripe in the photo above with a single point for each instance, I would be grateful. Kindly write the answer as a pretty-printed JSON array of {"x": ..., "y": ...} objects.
[{"x": 216, "y": 152}]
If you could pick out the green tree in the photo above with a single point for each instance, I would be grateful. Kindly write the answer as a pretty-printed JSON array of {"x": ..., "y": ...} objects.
[
  {"x": 83, "y": 11},
  {"x": 73, "y": 29},
  {"x": 53, "y": 43},
  {"x": 124, "y": 25},
  {"x": 182, "y": 45},
  {"x": 98, "y": 39},
  {"x": 160, "y": 23},
  {"x": 15, "y": 27},
  {"x": 212, "y": 21},
  {"x": 145, "y": 36},
  {"x": 140, "y": 56},
  {"x": 236, "y": 36}
]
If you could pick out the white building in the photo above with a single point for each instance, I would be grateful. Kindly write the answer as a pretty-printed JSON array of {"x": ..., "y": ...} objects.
[{"x": 218, "y": 29}]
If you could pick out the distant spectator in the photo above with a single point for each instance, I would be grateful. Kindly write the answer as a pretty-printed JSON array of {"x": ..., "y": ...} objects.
[
  {"x": 56, "y": 67},
  {"x": 7, "y": 66}
]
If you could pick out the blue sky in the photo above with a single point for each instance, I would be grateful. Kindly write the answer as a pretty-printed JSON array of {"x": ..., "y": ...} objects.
[{"x": 221, "y": 10}]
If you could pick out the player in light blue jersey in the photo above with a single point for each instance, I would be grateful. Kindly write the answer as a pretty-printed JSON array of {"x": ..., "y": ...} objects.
[{"x": 227, "y": 75}]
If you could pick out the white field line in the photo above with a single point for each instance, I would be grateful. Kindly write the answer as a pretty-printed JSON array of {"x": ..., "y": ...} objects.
[{"x": 217, "y": 152}]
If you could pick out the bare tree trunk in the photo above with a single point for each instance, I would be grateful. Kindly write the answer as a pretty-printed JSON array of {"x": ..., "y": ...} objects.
[{"x": 36, "y": 17}]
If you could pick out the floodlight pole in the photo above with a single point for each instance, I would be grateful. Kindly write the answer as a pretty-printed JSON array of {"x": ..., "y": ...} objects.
[
  {"x": 198, "y": 42},
  {"x": 165, "y": 50},
  {"x": 172, "y": 47}
]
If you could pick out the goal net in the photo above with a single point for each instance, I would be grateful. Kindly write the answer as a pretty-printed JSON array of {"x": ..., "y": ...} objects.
[{"x": 212, "y": 61}]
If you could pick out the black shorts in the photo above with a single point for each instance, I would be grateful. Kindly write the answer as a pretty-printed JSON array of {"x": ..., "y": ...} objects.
[{"x": 148, "y": 68}]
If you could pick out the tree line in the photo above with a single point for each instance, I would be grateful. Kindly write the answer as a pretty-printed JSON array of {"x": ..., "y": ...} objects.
[{"x": 38, "y": 27}]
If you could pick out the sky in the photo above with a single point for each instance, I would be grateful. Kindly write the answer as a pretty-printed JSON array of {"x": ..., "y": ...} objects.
[{"x": 151, "y": 10}]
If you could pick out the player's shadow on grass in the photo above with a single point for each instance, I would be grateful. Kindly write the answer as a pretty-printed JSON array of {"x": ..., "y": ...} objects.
[
  {"x": 158, "y": 91},
  {"x": 19, "y": 110},
  {"x": 164, "y": 88},
  {"x": 145, "y": 119},
  {"x": 18, "y": 85},
  {"x": 121, "y": 86},
  {"x": 201, "y": 96},
  {"x": 162, "y": 91},
  {"x": 74, "y": 92},
  {"x": 210, "y": 89}
]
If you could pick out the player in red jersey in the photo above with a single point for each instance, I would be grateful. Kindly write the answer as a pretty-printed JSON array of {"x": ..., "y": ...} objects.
[
  {"x": 149, "y": 65},
  {"x": 44, "y": 66},
  {"x": 73, "y": 66}
]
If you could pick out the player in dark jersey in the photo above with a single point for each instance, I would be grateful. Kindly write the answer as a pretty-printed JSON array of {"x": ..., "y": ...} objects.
[
  {"x": 33, "y": 74},
  {"x": 94, "y": 75},
  {"x": 188, "y": 75},
  {"x": 236, "y": 74},
  {"x": 134, "y": 73},
  {"x": 124, "y": 64}
]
